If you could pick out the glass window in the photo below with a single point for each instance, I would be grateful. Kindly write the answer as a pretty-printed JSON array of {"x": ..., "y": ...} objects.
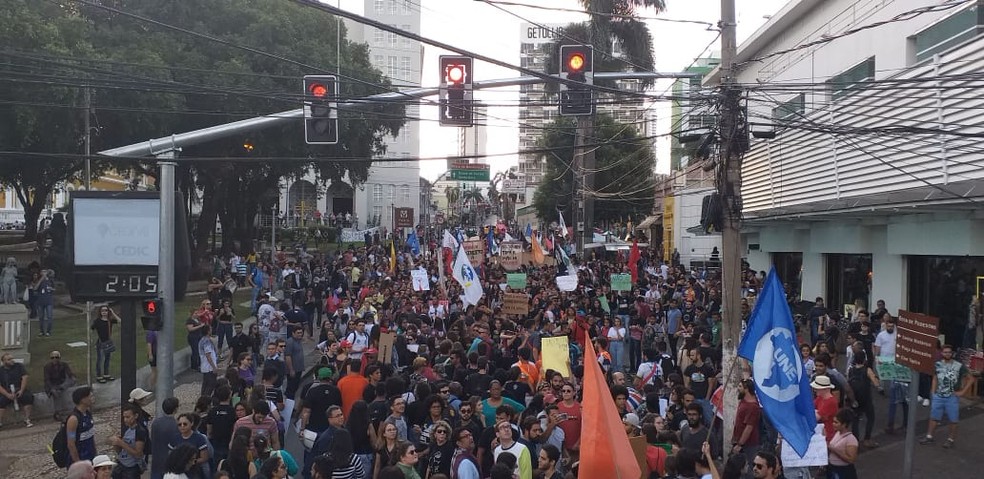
[
  {"x": 405, "y": 7},
  {"x": 943, "y": 286},
  {"x": 406, "y": 68},
  {"x": 378, "y": 60},
  {"x": 380, "y": 6},
  {"x": 848, "y": 280},
  {"x": 949, "y": 32},
  {"x": 791, "y": 108},
  {"x": 389, "y": 192},
  {"x": 377, "y": 212},
  {"x": 849, "y": 81},
  {"x": 377, "y": 193},
  {"x": 392, "y": 68},
  {"x": 405, "y": 192},
  {"x": 378, "y": 37},
  {"x": 394, "y": 8}
]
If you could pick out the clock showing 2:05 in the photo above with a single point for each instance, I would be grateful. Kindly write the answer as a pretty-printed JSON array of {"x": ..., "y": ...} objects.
[{"x": 114, "y": 284}]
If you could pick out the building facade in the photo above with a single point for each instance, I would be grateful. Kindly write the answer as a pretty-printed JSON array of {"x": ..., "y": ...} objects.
[{"x": 872, "y": 187}]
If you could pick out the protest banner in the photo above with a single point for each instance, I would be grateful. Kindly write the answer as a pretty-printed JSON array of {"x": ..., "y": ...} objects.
[
  {"x": 516, "y": 280},
  {"x": 475, "y": 250},
  {"x": 420, "y": 280},
  {"x": 386, "y": 341},
  {"x": 621, "y": 282},
  {"x": 556, "y": 355},
  {"x": 515, "y": 303},
  {"x": 511, "y": 255}
]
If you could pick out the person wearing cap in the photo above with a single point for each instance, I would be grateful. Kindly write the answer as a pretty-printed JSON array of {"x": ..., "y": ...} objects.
[
  {"x": 632, "y": 424},
  {"x": 825, "y": 404},
  {"x": 318, "y": 398},
  {"x": 58, "y": 378},
  {"x": 130, "y": 445},
  {"x": 103, "y": 466}
]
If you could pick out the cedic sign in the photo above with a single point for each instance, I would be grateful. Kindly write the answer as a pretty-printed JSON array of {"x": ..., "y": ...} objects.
[{"x": 116, "y": 231}]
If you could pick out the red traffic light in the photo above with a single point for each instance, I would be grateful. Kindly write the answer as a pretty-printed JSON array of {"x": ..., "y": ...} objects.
[
  {"x": 575, "y": 62},
  {"x": 152, "y": 307},
  {"x": 318, "y": 89},
  {"x": 455, "y": 74}
]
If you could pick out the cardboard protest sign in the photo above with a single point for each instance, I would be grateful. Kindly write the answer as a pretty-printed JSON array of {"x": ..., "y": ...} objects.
[
  {"x": 511, "y": 255},
  {"x": 556, "y": 355},
  {"x": 515, "y": 303}
]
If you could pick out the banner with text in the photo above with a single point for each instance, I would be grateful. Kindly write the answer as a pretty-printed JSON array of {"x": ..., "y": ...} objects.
[
  {"x": 621, "y": 282},
  {"x": 515, "y": 303},
  {"x": 511, "y": 255},
  {"x": 475, "y": 249},
  {"x": 516, "y": 280}
]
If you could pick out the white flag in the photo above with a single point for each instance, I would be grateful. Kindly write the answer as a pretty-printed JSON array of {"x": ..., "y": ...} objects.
[
  {"x": 466, "y": 276},
  {"x": 449, "y": 241},
  {"x": 563, "y": 227}
]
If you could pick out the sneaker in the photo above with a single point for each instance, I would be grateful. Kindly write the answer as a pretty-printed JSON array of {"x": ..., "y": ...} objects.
[
  {"x": 28, "y": 423},
  {"x": 925, "y": 403},
  {"x": 927, "y": 440},
  {"x": 919, "y": 398},
  {"x": 109, "y": 378},
  {"x": 948, "y": 443},
  {"x": 101, "y": 380}
]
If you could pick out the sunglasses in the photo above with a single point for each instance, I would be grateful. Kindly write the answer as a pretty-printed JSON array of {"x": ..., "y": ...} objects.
[
  {"x": 440, "y": 431},
  {"x": 411, "y": 451},
  {"x": 758, "y": 466}
]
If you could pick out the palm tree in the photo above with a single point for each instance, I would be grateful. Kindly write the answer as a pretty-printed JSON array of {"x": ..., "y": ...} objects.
[
  {"x": 611, "y": 22},
  {"x": 453, "y": 194}
]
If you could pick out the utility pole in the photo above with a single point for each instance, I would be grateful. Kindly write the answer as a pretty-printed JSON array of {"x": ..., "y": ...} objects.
[
  {"x": 729, "y": 188},
  {"x": 584, "y": 168},
  {"x": 87, "y": 141}
]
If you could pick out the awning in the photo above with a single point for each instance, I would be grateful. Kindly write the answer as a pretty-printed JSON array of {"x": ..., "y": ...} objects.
[{"x": 648, "y": 222}]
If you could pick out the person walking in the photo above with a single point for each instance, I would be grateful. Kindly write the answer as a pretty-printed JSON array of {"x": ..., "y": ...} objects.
[
  {"x": 949, "y": 374},
  {"x": 208, "y": 361},
  {"x": 842, "y": 449}
]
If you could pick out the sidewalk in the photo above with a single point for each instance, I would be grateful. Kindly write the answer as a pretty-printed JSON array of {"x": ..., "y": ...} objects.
[{"x": 959, "y": 462}]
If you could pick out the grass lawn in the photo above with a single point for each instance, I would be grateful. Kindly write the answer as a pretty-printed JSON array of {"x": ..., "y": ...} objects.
[{"x": 70, "y": 326}]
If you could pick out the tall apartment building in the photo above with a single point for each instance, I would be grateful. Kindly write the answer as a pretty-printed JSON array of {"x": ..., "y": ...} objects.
[
  {"x": 394, "y": 184},
  {"x": 690, "y": 112}
]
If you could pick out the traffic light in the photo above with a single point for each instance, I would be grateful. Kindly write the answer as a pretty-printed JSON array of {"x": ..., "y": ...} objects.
[
  {"x": 577, "y": 65},
  {"x": 151, "y": 318},
  {"x": 321, "y": 109},
  {"x": 456, "y": 91}
]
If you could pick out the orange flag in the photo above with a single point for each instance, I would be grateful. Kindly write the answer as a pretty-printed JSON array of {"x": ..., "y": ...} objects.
[
  {"x": 393, "y": 257},
  {"x": 605, "y": 448},
  {"x": 537, "y": 251}
]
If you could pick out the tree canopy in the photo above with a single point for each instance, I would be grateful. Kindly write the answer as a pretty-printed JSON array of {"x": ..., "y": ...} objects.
[
  {"x": 150, "y": 78},
  {"x": 625, "y": 162}
]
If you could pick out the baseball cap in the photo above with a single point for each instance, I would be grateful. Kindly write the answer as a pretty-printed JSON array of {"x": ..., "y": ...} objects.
[
  {"x": 631, "y": 419},
  {"x": 139, "y": 394},
  {"x": 102, "y": 460}
]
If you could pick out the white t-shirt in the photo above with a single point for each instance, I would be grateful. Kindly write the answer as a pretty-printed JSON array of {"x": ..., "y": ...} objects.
[{"x": 886, "y": 344}]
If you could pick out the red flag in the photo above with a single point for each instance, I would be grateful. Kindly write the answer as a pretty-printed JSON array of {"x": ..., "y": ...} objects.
[
  {"x": 634, "y": 261},
  {"x": 605, "y": 447}
]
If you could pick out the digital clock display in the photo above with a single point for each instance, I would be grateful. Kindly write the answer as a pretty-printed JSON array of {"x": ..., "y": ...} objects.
[{"x": 115, "y": 284}]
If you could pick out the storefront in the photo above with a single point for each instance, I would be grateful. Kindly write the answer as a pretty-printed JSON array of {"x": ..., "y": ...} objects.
[{"x": 943, "y": 286}]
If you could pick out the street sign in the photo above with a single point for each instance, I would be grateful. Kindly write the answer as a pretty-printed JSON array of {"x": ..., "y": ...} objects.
[
  {"x": 403, "y": 217},
  {"x": 469, "y": 172},
  {"x": 915, "y": 342},
  {"x": 515, "y": 186}
]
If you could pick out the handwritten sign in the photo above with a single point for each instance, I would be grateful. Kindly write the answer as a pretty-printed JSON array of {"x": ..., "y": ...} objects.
[
  {"x": 516, "y": 280},
  {"x": 386, "y": 341},
  {"x": 511, "y": 255},
  {"x": 816, "y": 454},
  {"x": 567, "y": 283},
  {"x": 556, "y": 355},
  {"x": 621, "y": 282},
  {"x": 515, "y": 303},
  {"x": 420, "y": 280},
  {"x": 475, "y": 249}
]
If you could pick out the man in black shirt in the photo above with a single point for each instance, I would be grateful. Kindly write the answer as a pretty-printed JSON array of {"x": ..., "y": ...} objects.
[
  {"x": 477, "y": 383},
  {"x": 319, "y": 398},
  {"x": 699, "y": 376},
  {"x": 220, "y": 421},
  {"x": 13, "y": 388},
  {"x": 239, "y": 343}
]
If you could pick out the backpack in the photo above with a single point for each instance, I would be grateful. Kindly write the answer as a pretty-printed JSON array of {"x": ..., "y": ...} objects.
[{"x": 59, "y": 445}]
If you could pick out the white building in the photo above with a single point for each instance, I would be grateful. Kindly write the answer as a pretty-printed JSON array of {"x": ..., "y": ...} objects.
[
  {"x": 845, "y": 214},
  {"x": 390, "y": 184}
]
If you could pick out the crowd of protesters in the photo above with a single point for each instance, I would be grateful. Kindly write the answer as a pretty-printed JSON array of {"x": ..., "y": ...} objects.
[{"x": 458, "y": 390}]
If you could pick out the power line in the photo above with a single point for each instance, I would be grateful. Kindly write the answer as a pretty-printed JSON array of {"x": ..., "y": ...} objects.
[{"x": 707, "y": 25}]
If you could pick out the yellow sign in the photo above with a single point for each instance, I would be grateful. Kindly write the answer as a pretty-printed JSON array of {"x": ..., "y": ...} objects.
[
  {"x": 668, "y": 205},
  {"x": 556, "y": 355}
]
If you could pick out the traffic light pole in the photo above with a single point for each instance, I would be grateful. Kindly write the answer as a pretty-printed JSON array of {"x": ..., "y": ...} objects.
[
  {"x": 165, "y": 278},
  {"x": 128, "y": 349}
]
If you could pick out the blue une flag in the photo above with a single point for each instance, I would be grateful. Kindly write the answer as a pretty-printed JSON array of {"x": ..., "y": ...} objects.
[{"x": 780, "y": 379}]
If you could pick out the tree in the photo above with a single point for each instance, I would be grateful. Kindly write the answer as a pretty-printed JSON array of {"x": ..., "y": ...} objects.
[
  {"x": 149, "y": 81},
  {"x": 623, "y": 181}
]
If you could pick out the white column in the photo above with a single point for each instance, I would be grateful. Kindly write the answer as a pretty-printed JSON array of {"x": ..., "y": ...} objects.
[
  {"x": 814, "y": 276},
  {"x": 889, "y": 281}
]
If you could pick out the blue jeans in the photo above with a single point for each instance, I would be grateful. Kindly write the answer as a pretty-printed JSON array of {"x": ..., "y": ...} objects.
[
  {"x": 252, "y": 299},
  {"x": 102, "y": 360},
  {"x": 224, "y": 332},
  {"x": 897, "y": 395},
  {"x": 616, "y": 348},
  {"x": 46, "y": 316},
  {"x": 367, "y": 460}
]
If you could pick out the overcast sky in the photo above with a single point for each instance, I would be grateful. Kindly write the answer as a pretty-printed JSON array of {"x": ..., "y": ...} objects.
[{"x": 484, "y": 29}]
